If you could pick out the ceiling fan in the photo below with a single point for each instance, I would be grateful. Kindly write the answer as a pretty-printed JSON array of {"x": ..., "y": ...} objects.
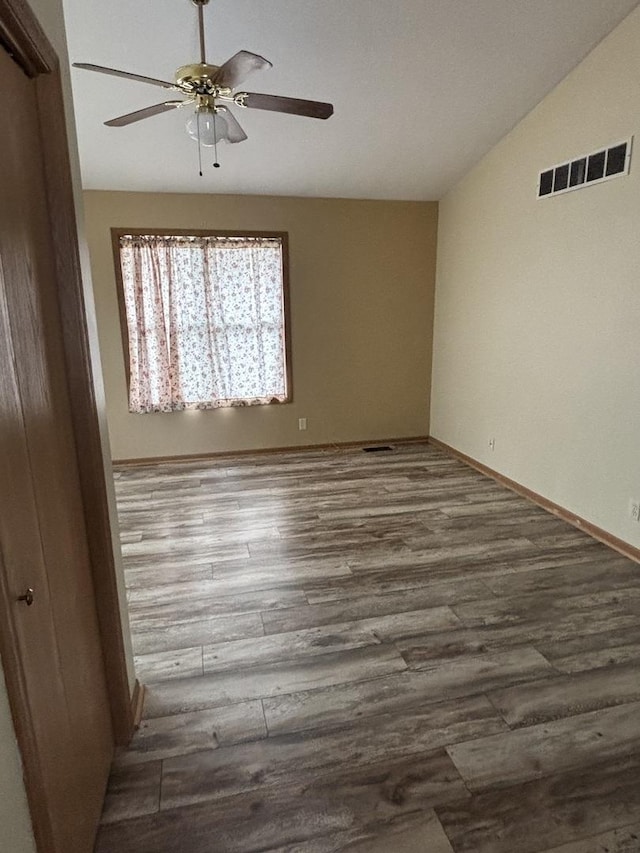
[{"x": 205, "y": 87}]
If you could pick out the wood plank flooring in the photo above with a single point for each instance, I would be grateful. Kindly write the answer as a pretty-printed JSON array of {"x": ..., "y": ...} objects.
[{"x": 372, "y": 653}]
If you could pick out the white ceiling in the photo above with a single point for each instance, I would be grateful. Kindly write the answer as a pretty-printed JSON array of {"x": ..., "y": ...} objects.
[{"x": 422, "y": 88}]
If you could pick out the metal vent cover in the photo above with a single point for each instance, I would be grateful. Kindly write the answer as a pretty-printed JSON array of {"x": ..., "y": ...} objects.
[{"x": 595, "y": 168}]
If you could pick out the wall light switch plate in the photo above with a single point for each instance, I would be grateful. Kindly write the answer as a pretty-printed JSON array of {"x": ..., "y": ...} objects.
[{"x": 302, "y": 423}]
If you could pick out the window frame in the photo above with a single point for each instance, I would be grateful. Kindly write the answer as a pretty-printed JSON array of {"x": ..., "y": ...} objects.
[{"x": 283, "y": 236}]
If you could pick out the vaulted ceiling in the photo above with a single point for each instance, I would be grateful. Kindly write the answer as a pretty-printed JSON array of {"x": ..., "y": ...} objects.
[{"x": 422, "y": 88}]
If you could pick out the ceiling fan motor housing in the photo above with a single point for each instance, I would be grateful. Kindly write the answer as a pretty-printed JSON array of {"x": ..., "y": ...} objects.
[
  {"x": 203, "y": 84},
  {"x": 198, "y": 78}
]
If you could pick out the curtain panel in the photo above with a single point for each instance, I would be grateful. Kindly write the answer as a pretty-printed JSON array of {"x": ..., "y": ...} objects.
[{"x": 205, "y": 321}]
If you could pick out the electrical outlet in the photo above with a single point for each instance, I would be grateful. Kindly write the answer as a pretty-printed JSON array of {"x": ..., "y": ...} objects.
[
  {"x": 492, "y": 443},
  {"x": 634, "y": 509},
  {"x": 302, "y": 423}
]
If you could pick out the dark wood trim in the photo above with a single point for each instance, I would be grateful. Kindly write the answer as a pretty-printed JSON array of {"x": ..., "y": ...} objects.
[
  {"x": 24, "y": 39},
  {"x": 286, "y": 303},
  {"x": 15, "y": 680},
  {"x": 22, "y": 36},
  {"x": 598, "y": 533},
  {"x": 303, "y": 448},
  {"x": 83, "y": 402},
  {"x": 195, "y": 232},
  {"x": 283, "y": 236},
  {"x": 137, "y": 703},
  {"x": 122, "y": 309}
]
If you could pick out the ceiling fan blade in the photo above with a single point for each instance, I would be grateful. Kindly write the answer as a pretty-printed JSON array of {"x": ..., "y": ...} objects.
[
  {"x": 235, "y": 133},
  {"x": 239, "y": 67},
  {"x": 294, "y": 106},
  {"x": 115, "y": 73},
  {"x": 147, "y": 112}
]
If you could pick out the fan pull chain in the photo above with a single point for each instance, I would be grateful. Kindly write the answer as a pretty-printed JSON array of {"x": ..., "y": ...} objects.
[
  {"x": 216, "y": 165},
  {"x": 199, "y": 146}
]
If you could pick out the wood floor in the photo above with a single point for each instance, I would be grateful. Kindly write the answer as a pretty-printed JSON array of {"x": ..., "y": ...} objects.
[{"x": 372, "y": 652}]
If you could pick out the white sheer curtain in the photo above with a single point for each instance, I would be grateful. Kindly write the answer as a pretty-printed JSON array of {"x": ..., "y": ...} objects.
[{"x": 205, "y": 320}]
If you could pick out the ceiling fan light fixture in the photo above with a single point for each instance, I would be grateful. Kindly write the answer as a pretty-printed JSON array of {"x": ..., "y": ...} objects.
[
  {"x": 204, "y": 86},
  {"x": 209, "y": 125}
]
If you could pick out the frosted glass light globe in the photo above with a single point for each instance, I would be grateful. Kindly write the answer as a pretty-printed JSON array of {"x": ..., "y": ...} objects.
[{"x": 213, "y": 127}]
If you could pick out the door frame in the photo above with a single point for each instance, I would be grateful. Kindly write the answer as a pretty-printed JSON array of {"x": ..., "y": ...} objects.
[{"x": 22, "y": 36}]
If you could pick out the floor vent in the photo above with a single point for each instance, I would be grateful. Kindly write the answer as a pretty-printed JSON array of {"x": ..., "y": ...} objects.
[
  {"x": 380, "y": 448},
  {"x": 603, "y": 165}
]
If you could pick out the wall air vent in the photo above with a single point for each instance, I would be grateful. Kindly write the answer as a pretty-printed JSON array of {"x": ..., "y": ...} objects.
[{"x": 602, "y": 165}]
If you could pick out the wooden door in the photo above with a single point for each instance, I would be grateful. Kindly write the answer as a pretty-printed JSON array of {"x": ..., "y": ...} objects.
[{"x": 43, "y": 538}]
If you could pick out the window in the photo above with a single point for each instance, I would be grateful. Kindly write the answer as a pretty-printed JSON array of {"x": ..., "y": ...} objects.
[{"x": 205, "y": 317}]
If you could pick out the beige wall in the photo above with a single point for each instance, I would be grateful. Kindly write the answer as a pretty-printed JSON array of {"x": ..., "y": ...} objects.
[
  {"x": 361, "y": 299},
  {"x": 537, "y": 321}
]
